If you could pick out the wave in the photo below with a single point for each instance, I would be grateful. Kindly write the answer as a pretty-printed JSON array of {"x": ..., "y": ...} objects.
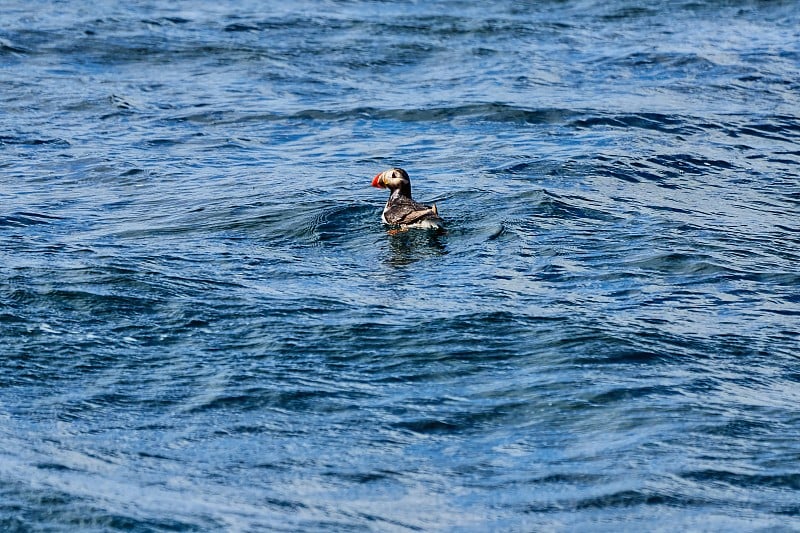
[
  {"x": 32, "y": 141},
  {"x": 777, "y": 127},
  {"x": 24, "y": 219},
  {"x": 490, "y": 112}
]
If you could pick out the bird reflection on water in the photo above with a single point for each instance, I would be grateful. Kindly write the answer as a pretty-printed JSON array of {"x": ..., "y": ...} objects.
[{"x": 407, "y": 247}]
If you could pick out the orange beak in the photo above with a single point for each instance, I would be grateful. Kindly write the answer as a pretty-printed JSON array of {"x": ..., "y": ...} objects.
[{"x": 376, "y": 183}]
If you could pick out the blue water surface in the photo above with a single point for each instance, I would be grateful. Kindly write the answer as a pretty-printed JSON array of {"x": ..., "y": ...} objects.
[{"x": 205, "y": 326}]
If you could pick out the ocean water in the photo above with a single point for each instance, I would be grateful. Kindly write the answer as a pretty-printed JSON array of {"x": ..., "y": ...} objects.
[{"x": 204, "y": 325}]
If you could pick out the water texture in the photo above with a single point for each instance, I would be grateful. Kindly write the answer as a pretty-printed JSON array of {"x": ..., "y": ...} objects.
[{"x": 203, "y": 324}]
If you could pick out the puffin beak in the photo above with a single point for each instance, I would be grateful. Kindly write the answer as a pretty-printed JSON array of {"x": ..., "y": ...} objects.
[{"x": 376, "y": 182}]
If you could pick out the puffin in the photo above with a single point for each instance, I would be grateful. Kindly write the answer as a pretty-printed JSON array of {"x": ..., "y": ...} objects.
[{"x": 401, "y": 210}]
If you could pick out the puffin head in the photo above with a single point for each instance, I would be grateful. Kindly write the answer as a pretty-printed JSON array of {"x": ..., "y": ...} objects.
[{"x": 394, "y": 179}]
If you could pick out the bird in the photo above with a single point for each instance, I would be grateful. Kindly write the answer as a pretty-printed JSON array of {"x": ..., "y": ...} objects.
[{"x": 401, "y": 210}]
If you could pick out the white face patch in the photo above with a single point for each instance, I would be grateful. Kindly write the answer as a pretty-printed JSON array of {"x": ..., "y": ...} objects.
[{"x": 393, "y": 178}]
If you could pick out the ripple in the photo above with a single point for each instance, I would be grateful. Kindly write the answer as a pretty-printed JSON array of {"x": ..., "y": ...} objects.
[{"x": 24, "y": 219}]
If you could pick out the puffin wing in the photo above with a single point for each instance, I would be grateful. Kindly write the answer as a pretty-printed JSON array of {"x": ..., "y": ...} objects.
[
  {"x": 407, "y": 212},
  {"x": 418, "y": 216}
]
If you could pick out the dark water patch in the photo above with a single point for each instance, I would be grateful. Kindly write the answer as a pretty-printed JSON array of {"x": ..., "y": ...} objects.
[
  {"x": 627, "y": 13},
  {"x": 469, "y": 420},
  {"x": 166, "y": 21},
  {"x": 522, "y": 168},
  {"x": 298, "y": 400},
  {"x": 689, "y": 163},
  {"x": 681, "y": 264},
  {"x": 436, "y": 26},
  {"x": 119, "y": 102},
  {"x": 740, "y": 428},
  {"x": 8, "y": 47},
  {"x": 619, "y": 355},
  {"x": 429, "y": 426},
  {"x": 667, "y": 170},
  {"x": 52, "y": 466},
  {"x": 631, "y": 393},
  {"x": 566, "y": 207},
  {"x": 24, "y": 219},
  {"x": 133, "y": 172},
  {"x": 334, "y": 225},
  {"x": 153, "y": 50},
  {"x": 778, "y": 127},
  {"x": 490, "y": 112},
  {"x": 87, "y": 301},
  {"x": 645, "y": 343},
  {"x": 735, "y": 479},
  {"x": 242, "y": 27},
  {"x": 293, "y": 22},
  {"x": 634, "y": 498},
  {"x": 647, "y": 121},
  {"x": 675, "y": 63},
  {"x": 66, "y": 510},
  {"x": 27, "y": 141}
]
